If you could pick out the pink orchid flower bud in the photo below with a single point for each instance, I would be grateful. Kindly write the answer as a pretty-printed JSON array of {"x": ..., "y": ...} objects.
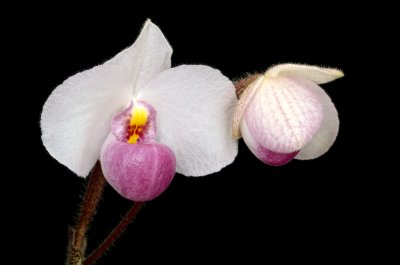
[{"x": 284, "y": 114}]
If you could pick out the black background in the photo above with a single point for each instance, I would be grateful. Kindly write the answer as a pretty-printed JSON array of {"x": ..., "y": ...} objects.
[{"x": 316, "y": 210}]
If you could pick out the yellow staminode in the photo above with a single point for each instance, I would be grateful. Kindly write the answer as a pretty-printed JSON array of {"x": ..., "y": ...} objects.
[{"x": 137, "y": 123}]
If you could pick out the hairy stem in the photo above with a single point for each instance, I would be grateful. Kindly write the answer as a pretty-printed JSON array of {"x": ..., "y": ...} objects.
[
  {"x": 118, "y": 230},
  {"x": 91, "y": 198}
]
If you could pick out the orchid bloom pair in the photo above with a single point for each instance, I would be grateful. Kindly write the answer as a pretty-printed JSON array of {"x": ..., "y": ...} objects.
[{"x": 145, "y": 120}]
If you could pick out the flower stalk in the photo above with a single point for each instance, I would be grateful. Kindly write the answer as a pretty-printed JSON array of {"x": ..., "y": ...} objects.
[
  {"x": 114, "y": 235},
  {"x": 90, "y": 201}
]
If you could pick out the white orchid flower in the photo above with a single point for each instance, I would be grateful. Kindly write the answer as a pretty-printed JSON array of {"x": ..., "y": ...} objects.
[
  {"x": 142, "y": 119},
  {"x": 284, "y": 114}
]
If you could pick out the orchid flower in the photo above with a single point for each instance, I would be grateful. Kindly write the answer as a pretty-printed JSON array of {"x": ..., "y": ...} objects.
[
  {"x": 142, "y": 119},
  {"x": 284, "y": 114}
]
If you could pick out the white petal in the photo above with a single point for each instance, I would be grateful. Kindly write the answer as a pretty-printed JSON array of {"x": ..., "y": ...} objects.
[
  {"x": 248, "y": 138},
  {"x": 194, "y": 107},
  {"x": 151, "y": 56},
  {"x": 76, "y": 117},
  {"x": 316, "y": 74},
  {"x": 327, "y": 133},
  {"x": 284, "y": 114},
  {"x": 244, "y": 100}
]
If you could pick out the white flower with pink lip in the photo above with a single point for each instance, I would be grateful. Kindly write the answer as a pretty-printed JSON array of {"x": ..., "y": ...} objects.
[
  {"x": 142, "y": 119},
  {"x": 284, "y": 114}
]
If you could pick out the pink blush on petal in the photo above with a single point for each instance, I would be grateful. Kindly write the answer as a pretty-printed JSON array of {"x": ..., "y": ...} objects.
[
  {"x": 139, "y": 172},
  {"x": 264, "y": 154},
  {"x": 284, "y": 114},
  {"x": 274, "y": 159}
]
